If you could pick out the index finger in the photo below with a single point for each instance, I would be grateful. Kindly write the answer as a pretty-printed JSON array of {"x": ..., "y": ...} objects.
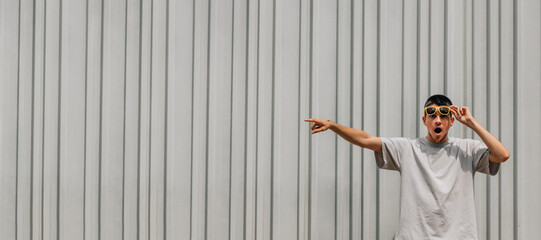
[
  {"x": 458, "y": 109},
  {"x": 309, "y": 120}
]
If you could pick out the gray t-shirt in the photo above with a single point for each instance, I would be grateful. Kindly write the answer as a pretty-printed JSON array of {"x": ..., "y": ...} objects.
[{"x": 437, "y": 198}]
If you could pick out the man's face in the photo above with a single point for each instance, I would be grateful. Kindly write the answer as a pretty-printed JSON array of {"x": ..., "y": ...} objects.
[{"x": 438, "y": 126}]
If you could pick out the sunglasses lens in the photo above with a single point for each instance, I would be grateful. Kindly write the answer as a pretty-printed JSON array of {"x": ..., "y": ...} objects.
[
  {"x": 430, "y": 110},
  {"x": 444, "y": 110}
]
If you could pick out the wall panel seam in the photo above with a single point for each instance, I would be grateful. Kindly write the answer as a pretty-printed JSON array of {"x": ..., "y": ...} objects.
[
  {"x": 246, "y": 110},
  {"x": 445, "y": 45},
  {"x": 32, "y": 128},
  {"x": 402, "y": 69},
  {"x": 488, "y": 114},
  {"x": 17, "y": 124},
  {"x": 101, "y": 117},
  {"x": 231, "y": 117},
  {"x": 124, "y": 119},
  {"x": 310, "y": 97},
  {"x": 429, "y": 48},
  {"x": 43, "y": 117},
  {"x": 209, "y": 35},
  {"x": 139, "y": 114},
  {"x": 361, "y": 117},
  {"x": 85, "y": 123},
  {"x": 378, "y": 116},
  {"x": 166, "y": 124},
  {"x": 516, "y": 223},
  {"x": 418, "y": 67},
  {"x": 192, "y": 120},
  {"x": 500, "y": 190},
  {"x": 299, "y": 122},
  {"x": 151, "y": 88},
  {"x": 336, "y": 85},
  {"x": 59, "y": 155},
  {"x": 257, "y": 120},
  {"x": 273, "y": 111},
  {"x": 351, "y": 85}
]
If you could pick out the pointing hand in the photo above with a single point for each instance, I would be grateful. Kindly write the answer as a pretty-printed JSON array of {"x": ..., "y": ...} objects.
[{"x": 319, "y": 125}]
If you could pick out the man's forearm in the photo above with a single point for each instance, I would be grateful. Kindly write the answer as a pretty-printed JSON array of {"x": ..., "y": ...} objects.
[
  {"x": 357, "y": 137},
  {"x": 498, "y": 152}
]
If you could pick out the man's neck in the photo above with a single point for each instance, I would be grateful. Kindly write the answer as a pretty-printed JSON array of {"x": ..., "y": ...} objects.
[{"x": 432, "y": 140}]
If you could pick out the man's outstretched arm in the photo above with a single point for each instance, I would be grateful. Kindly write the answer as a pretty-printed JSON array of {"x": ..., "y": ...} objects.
[
  {"x": 498, "y": 152},
  {"x": 355, "y": 136}
]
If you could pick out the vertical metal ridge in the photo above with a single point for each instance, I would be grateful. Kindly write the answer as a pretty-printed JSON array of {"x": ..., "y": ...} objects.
[
  {"x": 59, "y": 121},
  {"x": 488, "y": 117},
  {"x": 166, "y": 125},
  {"x": 32, "y": 128},
  {"x": 207, "y": 121},
  {"x": 273, "y": 111},
  {"x": 429, "y": 47},
  {"x": 472, "y": 83},
  {"x": 310, "y": 114},
  {"x": 150, "y": 118},
  {"x": 299, "y": 123},
  {"x": 472, "y": 107},
  {"x": 465, "y": 66},
  {"x": 351, "y": 84},
  {"x": 336, "y": 85},
  {"x": 362, "y": 24},
  {"x": 246, "y": 82},
  {"x": 192, "y": 120},
  {"x": 487, "y": 71},
  {"x": 101, "y": 117},
  {"x": 418, "y": 69},
  {"x": 402, "y": 69},
  {"x": 257, "y": 119},
  {"x": 139, "y": 102},
  {"x": 43, "y": 116},
  {"x": 85, "y": 123},
  {"x": 378, "y": 116},
  {"x": 500, "y": 190},
  {"x": 231, "y": 117},
  {"x": 515, "y": 125},
  {"x": 124, "y": 120},
  {"x": 445, "y": 45},
  {"x": 17, "y": 124}
]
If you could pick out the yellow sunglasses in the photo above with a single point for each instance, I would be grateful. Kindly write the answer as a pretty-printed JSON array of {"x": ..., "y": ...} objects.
[{"x": 444, "y": 110}]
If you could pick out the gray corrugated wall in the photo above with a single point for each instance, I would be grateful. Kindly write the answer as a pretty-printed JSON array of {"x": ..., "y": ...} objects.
[{"x": 165, "y": 119}]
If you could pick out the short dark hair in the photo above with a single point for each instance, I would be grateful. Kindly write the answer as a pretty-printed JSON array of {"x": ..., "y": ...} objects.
[{"x": 438, "y": 99}]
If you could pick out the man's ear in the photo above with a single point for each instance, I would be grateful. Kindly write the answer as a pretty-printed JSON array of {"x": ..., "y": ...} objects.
[
  {"x": 424, "y": 120},
  {"x": 452, "y": 121}
]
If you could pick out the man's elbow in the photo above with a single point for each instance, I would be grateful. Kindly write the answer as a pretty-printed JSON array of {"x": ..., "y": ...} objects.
[
  {"x": 502, "y": 158},
  {"x": 506, "y": 156}
]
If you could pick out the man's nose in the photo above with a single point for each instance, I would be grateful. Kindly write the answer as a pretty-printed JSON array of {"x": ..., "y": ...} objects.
[{"x": 438, "y": 119}]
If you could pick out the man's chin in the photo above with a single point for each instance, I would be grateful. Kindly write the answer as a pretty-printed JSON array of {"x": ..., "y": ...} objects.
[{"x": 438, "y": 138}]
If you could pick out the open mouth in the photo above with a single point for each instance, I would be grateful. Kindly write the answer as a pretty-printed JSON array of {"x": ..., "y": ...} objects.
[{"x": 437, "y": 130}]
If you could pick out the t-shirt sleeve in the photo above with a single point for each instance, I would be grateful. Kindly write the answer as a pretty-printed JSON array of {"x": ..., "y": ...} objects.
[
  {"x": 390, "y": 157},
  {"x": 481, "y": 156}
]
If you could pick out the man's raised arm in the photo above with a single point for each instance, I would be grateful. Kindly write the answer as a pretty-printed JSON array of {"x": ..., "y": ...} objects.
[
  {"x": 498, "y": 152},
  {"x": 355, "y": 136}
]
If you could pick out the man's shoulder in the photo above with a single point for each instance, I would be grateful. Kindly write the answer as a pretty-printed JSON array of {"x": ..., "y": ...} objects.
[
  {"x": 464, "y": 141},
  {"x": 402, "y": 141}
]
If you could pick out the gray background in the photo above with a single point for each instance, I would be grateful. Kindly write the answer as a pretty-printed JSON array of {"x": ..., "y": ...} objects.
[{"x": 153, "y": 119}]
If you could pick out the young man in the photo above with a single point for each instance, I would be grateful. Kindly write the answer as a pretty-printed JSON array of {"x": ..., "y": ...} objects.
[{"x": 437, "y": 198}]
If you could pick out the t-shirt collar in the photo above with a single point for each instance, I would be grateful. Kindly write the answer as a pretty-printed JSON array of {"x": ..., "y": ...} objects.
[{"x": 436, "y": 145}]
